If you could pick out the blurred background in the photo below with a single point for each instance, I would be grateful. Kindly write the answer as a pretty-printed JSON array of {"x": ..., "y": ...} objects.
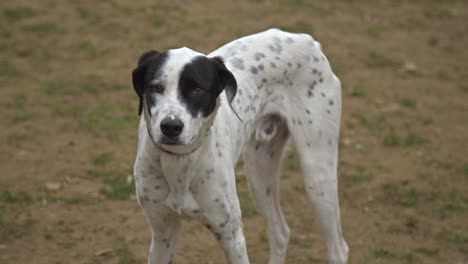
[{"x": 68, "y": 117}]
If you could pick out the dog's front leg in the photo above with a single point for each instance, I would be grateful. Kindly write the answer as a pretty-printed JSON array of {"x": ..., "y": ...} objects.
[
  {"x": 221, "y": 213},
  {"x": 165, "y": 226}
]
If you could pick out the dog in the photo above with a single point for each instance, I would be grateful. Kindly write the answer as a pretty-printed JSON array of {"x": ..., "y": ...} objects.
[{"x": 200, "y": 113}]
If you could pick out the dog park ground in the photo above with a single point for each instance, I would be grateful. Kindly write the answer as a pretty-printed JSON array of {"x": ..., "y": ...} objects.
[{"x": 69, "y": 124}]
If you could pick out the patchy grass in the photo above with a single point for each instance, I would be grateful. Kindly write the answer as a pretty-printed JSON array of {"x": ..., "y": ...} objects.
[
  {"x": 44, "y": 28},
  {"x": 16, "y": 14},
  {"x": 464, "y": 169},
  {"x": 430, "y": 252},
  {"x": 118, "y": 187},
  {"x": 453, "y": 237},
  {"x": 444, "y": 75},
  {"x": 108, "y": 118},
  {"x": 408, "y": 102},
  {"x": 375, "y": 31},
  {"x": 122, "y": 252},
  {"x": 392, "y": 139},
  {"x": 378, "y": 60},
  {"x": 8, "y": 71},
  {"x": 16, "y": 197},
  {"x": 401, "y": 193},
  {"x": 359, "y": 175},
  {"x": 358, "y": 91},
  {"x": 11, "y": 229},
  {"x": 246, "y": 203},
  {"x": 75, "y": 86},
  {"x": 77, "y": 198},
  {"x": 68, "y": 110},
  {"x": 374, "y": 124},
  {"x": 433, "y": 41},
  {"x": 381, "y": 253},
  {"x": 415, "y": 140},
  {"x": 103, "y": 159}
]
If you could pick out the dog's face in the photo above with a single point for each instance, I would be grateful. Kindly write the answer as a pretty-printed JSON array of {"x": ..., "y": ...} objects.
[{"x": 179, "y": 94}]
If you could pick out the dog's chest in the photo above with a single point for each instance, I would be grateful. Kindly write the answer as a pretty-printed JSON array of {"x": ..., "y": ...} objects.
[{"x": 179, "y": 177}]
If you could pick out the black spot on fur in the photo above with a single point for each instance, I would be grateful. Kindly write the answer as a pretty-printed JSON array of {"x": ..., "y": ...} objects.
[
  {"x": 253, "y": 70},
  {"x": 237, "y": 63}
]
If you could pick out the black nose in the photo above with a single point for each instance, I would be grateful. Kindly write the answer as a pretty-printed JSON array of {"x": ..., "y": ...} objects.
[{"x": 171, "y": 127}]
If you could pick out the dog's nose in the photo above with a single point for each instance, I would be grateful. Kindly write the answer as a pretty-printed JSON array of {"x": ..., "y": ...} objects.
[{"x": 171, "y": 127}]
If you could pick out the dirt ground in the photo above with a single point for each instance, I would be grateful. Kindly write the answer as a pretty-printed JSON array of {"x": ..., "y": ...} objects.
[{"x": 68, "y": 118}]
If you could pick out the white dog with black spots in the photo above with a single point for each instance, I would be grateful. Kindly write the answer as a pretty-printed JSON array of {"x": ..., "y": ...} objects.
[{"x": 202, "y": 112}]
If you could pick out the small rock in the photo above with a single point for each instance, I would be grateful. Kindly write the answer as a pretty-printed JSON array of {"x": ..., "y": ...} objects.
[
  {"x": 3, "y": 246},
  {"x": 53, "y": 186},
  {"x": 129, "y": 179},
  {"x": 103, "y": 252},
  {"x": 409, "y": 68},
  {"x": 359, "y": 146},
  {"x": 347, "y": 141}
]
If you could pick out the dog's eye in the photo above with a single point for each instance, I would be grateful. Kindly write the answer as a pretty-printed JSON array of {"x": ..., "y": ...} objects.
[
  {"x": 156, "y": 88},
  {"x": 197, "y": 91}
]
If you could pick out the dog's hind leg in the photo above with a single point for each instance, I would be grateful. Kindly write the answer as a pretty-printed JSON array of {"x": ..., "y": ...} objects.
[
  {"x": 262, "y": 162},
  {"x": 315, "y": 136}
]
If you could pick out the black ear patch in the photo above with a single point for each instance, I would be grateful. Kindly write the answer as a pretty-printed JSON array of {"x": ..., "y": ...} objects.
[
  {"x": 226, "y": 78},
  {"x": 228, "y": 82},
  {"x": 148, "y": 66}
]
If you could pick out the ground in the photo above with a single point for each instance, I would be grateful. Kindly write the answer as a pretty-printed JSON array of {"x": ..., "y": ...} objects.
[{"x": 69, "y": 122}]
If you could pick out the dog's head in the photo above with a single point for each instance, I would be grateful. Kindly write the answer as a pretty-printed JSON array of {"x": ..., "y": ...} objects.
[{"x": 179, "y": 94}]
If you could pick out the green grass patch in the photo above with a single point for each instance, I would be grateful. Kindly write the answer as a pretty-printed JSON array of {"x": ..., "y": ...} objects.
[
  {"x": 409, "y": 198},
  {"x": 444, "y": 75},
  {"x": 430, "y": 252},
  {"x": 378, "y": 60},
  {"x": 415, "y": 140},
  {"x": 358, "y": 91},
  {"x": 464, "y": 169},
  {"x": 246, "y": 203},
  {"x": 381, "y": 253},
  {"x": 16, "y": 14},
  {"x": 16, "y": 197},
  {"x": 402, "y": 194},
  {"x": 10, "y": 229},
  {"x": 433, "y": 41},
  {"x": 67, "y": 110},
  {"x": 76, "y": 198},
  {"x": 103, "y": 159},
  {"x": 453, "y": 237},
  {"x": 122, "y": 252},
  {"x": 392, "y": 139},
  {"x": 373, "y": 124},
  {"x": 117, "y": 186},
  {"x": 108, "y": 118},
  {"x": 360, "y": 175},
  {"x": 8, "y": 70},
  {"x": 44, "y": 28},
  {"x": 75, "y": 86},
  {"x": 408, "y": 102},
  {"x": 375, "y": 31}
]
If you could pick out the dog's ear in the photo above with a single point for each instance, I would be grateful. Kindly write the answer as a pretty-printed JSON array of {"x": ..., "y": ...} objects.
[
  {"x": 227, "y": 80},
  {"x": 138, "y": 75}
]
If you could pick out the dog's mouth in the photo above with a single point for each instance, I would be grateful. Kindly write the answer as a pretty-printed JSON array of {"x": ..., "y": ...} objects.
[
  {"x": 170, "y": 141},
  {"x": 172, "y": 146}
]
